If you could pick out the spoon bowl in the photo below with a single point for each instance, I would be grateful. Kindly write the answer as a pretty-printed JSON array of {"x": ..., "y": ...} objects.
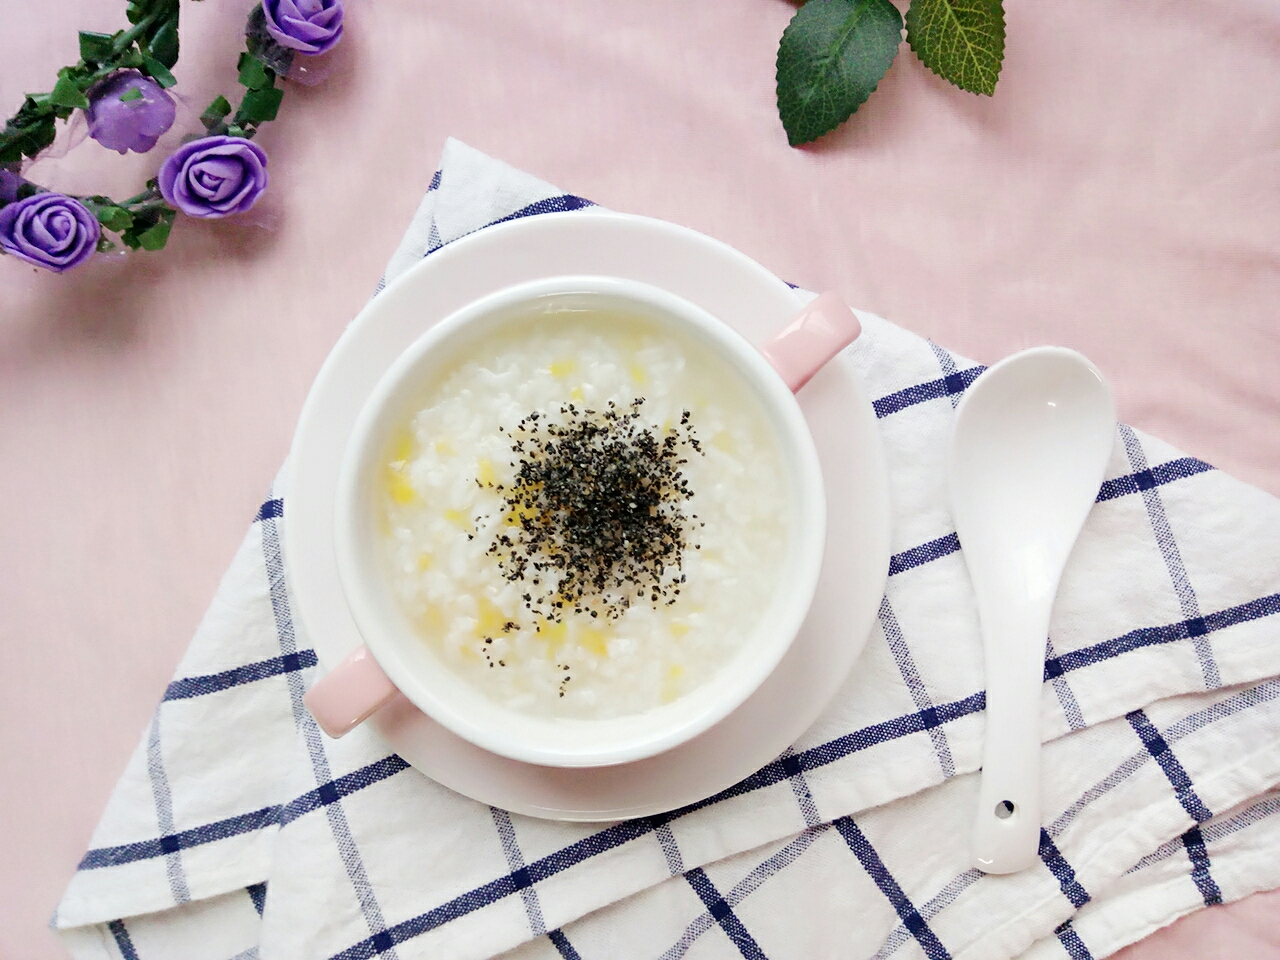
[{"x": 1032, "y": 438}]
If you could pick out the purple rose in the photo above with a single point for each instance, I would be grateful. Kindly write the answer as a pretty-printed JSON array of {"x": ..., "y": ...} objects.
[
  {"x": 308, "y": 26},
  {"x": 9, "y": 184},
  {"x": 128, "y": 111},
  {"x": 49, "y": 230},
  {"x": 214, "y": 177}
]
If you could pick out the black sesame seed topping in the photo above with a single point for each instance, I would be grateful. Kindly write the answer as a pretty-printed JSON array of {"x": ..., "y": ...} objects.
[{"x": 595, "y": 507}]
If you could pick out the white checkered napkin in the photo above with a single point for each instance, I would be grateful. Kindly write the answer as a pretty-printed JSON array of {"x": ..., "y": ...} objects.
[{"x": 1172, "y": 592}]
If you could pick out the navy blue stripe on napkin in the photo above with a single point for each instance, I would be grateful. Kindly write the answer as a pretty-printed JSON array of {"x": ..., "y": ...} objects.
[
  {"x": 723, "y": 914},
  {"x": 270, "y": 510},
  {"x": 1062, "y": 871},
  {"x": 1151, "y": 636},
  {"x": 124, "y": 943},
  {"x": 1111, "y": 489},
  {"x": 246, "y": 822},
  {"x": 563, "y": 946},
  {"x": 560, "y": 204},
  {"x": 947, "y": 386},
  {"x": 925, "y": 553},
  {"x": 1072, "y": 943},
  {"x": 182, "y": 840},
  {"x": 1154, "y": 477},
  {"x": 258, "y": 895},
  {"x": 902, "y": 905},
  {"x": 187, "y": 687},
  {"x": 1198, "y": 854},
  {"x": 1159, "y": 748},
  {"x": 340, "y": 787}
]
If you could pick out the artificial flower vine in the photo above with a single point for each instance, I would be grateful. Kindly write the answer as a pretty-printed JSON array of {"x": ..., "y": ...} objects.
[{"x": 120, "y": 84}]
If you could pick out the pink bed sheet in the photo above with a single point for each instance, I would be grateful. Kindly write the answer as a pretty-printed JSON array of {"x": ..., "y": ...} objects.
[{"x": 1117, "y": 195}]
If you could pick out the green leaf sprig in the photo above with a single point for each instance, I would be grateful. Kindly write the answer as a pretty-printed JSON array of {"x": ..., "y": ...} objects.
[
  {"x": 834, "y": 53},
  {"x": 150, "y": 46}
]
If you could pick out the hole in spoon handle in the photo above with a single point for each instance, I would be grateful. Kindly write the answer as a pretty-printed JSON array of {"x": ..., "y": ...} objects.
[
  {"x": 1006, "y": 826},
  {"x": 822, "y": 329}
]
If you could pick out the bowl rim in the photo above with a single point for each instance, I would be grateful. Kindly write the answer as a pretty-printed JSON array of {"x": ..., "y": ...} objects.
[{"x": 560, "y": 742}]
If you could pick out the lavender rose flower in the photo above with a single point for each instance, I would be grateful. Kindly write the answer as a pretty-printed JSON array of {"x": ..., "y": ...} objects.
[
  {"x": 9, "y": 184},
  {"x": 214, "y": 177},
  {"x": 128, "y": 111},
  {"x": 308, "y": 26},
  {"x": 49, "y": 230}
]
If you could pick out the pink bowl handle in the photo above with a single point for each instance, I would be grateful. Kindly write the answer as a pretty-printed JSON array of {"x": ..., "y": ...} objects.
[
  {"x": 345, "y": 696},
  {"x": 820, "y": 331}
]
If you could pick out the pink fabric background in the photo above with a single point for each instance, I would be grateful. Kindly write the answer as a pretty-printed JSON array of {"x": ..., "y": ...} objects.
[{"x": 1117, "y": 195}]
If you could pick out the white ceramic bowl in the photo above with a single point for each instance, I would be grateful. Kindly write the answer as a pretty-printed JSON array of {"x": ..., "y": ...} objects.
[{"x": 407, "y": 659}]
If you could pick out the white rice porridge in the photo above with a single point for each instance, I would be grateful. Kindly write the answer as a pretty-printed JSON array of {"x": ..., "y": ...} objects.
[{"x": 570, "y": 558}]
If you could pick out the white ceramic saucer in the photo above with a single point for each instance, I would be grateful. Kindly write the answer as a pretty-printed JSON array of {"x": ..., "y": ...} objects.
[{"x": 725, "y": 283}]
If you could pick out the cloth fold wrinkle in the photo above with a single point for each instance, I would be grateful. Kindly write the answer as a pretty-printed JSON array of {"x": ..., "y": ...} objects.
[{"x": 1157, "y": 694}]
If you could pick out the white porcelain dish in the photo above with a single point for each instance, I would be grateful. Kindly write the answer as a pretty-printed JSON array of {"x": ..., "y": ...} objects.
[
  {"x": 399, "y": 647},
  {"x": 721, "y": 281}
]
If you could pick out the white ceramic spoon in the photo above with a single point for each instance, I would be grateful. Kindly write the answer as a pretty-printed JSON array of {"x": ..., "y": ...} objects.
[{"x": 1032, "y": 438}]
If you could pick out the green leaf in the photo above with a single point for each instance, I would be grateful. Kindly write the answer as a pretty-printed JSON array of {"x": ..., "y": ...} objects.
[
  {"x": 961, "y": 41},
  {"x": 65, "y": 93},
  {"x": 253, "y": 74},
  {"x": 158, "y": 71},
  {"x": 95, "y": 47},
  {"x": 105, "y": 245},
  {"x": 156, "y": 237},
  {"x": 130, "y": 95},
  {"x": 145, "y": 230},
  {"x": 218, "y": 109},
  {"x": 214, "y": 113},
  {"x": 164, "y": 45},
  {"x": 116, "y": 219},
  {"x": 26, "y": 138},
  {"x": 832, "y": 56},
  {"x": 259, "y": 106}
]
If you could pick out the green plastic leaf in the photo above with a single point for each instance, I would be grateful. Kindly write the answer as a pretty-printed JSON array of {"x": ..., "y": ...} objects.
[
  {"x": 155, "y": 237},
  {"x": 158, "y": 71},
  {"x": 218, "y": 109},
  {"x": 95, "y": 47},
  {"x": 215, "y": 113},
  {"x": 65, "y": 93},
  {"x": 831, "y": 58},
  {"x": 116, "y": 219},
  {"x": 164, "y": 45},
  {"x": 26, "y": 138},
  {"x": 259, "y": 106},
  {"x": 105, "y": 245},
  {"x": 253, "y": 74},
  {"x": 131, "y": 95},
  {"x": 961, "y": 41}
]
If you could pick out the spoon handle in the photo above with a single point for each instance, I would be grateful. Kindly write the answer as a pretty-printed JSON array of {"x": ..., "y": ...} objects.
[{"x": 1006, "y": 827}]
